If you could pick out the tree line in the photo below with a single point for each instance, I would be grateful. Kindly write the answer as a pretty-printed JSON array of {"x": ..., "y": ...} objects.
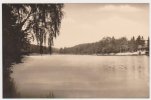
[
  {"x": 34, "y": 49},
  {"x": 109, "y": 45}
]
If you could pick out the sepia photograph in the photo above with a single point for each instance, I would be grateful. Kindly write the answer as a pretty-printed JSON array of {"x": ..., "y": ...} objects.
[{"x": 75, "y": 50}]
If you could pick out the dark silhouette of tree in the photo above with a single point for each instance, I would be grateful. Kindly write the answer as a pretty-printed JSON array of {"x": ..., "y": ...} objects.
[
  {"x": 132, "y": 44},
  {"x": 47, "y": 20},
  {"x": 37, "y": 20},
  {"x": 138, "y": 40},
  {"x": 142, "y": 41},
  {"x": 21, "y": 24}
]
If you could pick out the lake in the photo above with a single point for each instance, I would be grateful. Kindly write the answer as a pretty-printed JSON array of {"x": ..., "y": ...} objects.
[{"x": 84, "y": 76}]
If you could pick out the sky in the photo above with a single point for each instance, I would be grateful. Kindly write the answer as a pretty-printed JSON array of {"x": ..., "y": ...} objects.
[{"x": 87, "y": 23}]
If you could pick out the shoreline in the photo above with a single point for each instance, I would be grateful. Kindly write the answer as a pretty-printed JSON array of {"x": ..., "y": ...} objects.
[
  {"x": 125, "y": 54},
  {"x": 110, "y": 54}
]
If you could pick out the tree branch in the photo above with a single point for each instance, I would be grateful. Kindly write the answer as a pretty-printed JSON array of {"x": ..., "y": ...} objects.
[{"x": 22, "y": 23}]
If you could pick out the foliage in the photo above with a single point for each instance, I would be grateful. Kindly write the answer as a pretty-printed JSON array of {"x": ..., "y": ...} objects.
[
  {"x": 34, "y": 49},
  {"x": 40, "y": 21},
  {"x": 107, "y": 45},
  {"x": 22, "y": 23}
]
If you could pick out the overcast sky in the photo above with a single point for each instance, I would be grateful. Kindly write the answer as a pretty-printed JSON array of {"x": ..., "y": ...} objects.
[{"x": 86, "y": 23}]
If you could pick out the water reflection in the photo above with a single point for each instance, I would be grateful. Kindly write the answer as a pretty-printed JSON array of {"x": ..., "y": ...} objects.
[
  {"x": 83, "y": 76},
  {"x": 9, "y": 87}
]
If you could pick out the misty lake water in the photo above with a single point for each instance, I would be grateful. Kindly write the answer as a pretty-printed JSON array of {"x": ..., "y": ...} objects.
[{"x": 82, "y": 76}]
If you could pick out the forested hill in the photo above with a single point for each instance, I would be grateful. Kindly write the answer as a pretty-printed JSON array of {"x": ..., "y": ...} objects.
[
  {"x": 109, "y": 45},
  {"x": 34, "y": 49}
]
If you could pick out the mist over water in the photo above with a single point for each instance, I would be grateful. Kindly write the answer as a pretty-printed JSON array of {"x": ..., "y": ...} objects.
[{"x": 82, "y": 76}]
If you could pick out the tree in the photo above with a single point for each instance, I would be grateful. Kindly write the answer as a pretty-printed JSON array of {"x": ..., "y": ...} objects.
[
  {"x": 142, "y": 41},
  {"x": 138, "y": 41},
  {"x": 132, "y": 45},
  {"x": 36, "y": 20},
  {"x": 22, "y": 23}
]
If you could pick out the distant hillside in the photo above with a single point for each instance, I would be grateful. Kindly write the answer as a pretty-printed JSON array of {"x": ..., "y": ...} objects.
[
  {"x": 36, "y": 49},
  {"x": 108, "y": 45}
]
